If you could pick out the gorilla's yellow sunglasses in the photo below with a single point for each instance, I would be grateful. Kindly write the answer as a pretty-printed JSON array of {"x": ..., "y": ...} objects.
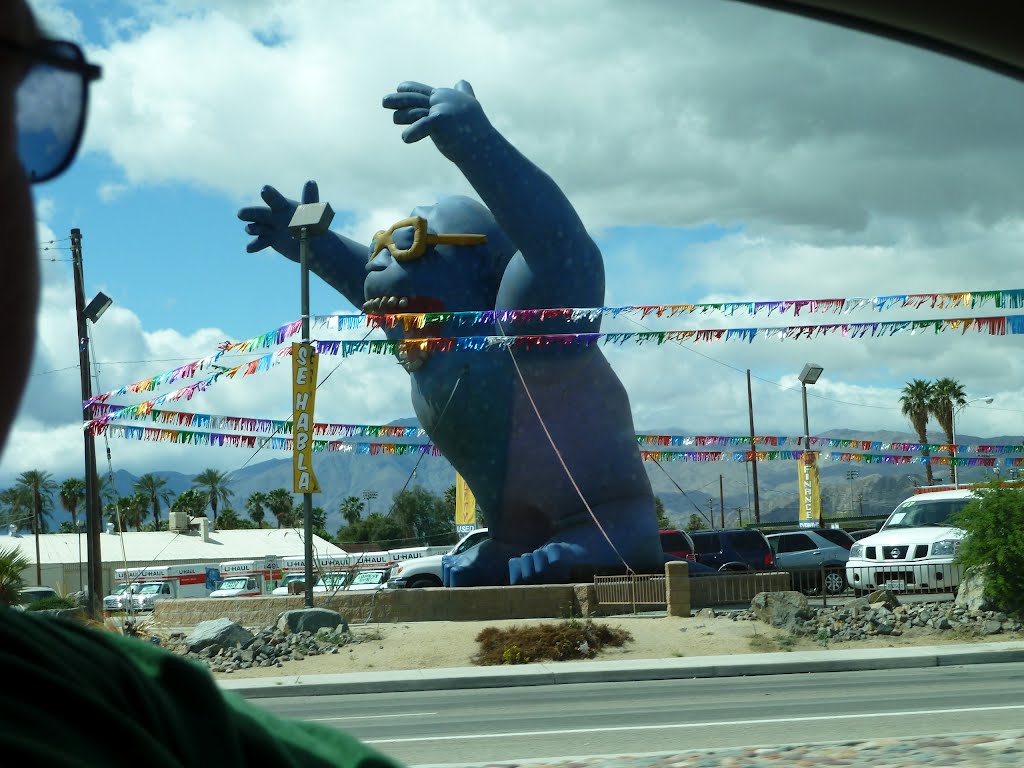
[{"x": 420, "y": 240}]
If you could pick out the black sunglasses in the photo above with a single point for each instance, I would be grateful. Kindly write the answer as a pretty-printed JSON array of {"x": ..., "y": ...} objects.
[{"x": 51, "y": 105}]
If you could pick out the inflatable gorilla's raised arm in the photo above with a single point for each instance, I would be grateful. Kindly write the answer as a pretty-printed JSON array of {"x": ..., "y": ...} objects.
[{"x": 544, "y": 438}]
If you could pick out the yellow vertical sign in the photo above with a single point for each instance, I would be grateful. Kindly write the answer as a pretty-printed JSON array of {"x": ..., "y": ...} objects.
[
  {"x": 465, "y": 506},
  {"x": 304, "y": 365},
  {"x": 810, "y": 493}
]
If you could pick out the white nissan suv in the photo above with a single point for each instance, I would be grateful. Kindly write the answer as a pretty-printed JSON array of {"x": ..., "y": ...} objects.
[{"x": 915, "y": 551}]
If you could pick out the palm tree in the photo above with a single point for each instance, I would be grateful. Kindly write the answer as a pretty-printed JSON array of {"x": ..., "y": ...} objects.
[
  {"x": 16, "y": 506},
  {"x": 72, "y": 493},
  {"x": 947, "y": 395},
  {"x": 915, "y": 402},
  {"x": 215, "y": 484},
  {"x": 254, "y": 506},
  {"x": 229, "y": 520},
  {"x": 41, "y": 486},
  {"x": 279, "y": 501},
  {"x": 12, "y": 563},
  {"x": 154, "y": 490},
  {"x": 352, "y": 509}
]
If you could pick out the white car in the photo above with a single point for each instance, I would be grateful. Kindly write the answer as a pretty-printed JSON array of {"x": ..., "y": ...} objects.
[{"x": 915, "y": 550}]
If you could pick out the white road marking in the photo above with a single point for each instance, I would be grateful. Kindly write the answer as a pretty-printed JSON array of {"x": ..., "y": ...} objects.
[{"x": 712, "y": 724}]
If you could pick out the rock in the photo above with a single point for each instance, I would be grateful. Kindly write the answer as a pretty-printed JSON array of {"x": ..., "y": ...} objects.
[
  {"x": 781, "y": 609},
  {"x": 970, "y": 594},
  {"x": 310, "y": 620},
  {"x": 222, "y": 633}
]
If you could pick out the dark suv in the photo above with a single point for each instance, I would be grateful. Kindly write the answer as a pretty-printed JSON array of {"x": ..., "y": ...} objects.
[{"x": 733, "y": 549}]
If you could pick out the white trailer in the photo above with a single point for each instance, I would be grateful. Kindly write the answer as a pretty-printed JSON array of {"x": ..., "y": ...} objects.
[
  {"x": 140, "y": 588},
  {"x": 249, "y": 578}
]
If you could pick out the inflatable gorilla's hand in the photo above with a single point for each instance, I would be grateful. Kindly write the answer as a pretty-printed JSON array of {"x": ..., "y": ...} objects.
[
  {"x": 451, "y": 117},
  {"x": 269, "y": 223}
]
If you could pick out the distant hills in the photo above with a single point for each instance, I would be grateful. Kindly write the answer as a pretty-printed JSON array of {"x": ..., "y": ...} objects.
[{"x": 684, "y": 488}]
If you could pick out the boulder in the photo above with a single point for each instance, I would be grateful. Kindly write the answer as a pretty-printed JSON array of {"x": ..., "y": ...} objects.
[
  {"x": 310, "y": 620},
  {"x": 216, "y": 634},
  {"x": 971, "y": 592},
  {"x": 786, "y": 610}
]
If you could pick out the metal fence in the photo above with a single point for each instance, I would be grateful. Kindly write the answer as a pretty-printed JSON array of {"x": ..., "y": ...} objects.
[{"x": 646, "y": 592}]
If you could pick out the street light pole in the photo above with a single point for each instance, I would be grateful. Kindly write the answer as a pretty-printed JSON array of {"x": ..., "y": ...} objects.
[
  {"x": 850, "y": 474},
  {"x": 309, "y": 220},
  {"x": 93, "y": 511},
  {"x": 952, "y": 449},
  {"x": 809, "y": 375}
]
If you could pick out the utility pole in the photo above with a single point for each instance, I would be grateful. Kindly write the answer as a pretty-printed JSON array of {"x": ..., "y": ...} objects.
[
  {"x": 93, "y": 514},
  {"x": 721, "y": 499},
  {"x": 753, "y": 450},
  {"x": 711, "y": 510}
]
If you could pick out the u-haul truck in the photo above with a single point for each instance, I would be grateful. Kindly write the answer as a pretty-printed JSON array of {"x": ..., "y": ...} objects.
[
  {"x": 139, "y": 588},
  {"x": 249, "y": 578},
  {"x": 293, "y": 568}
]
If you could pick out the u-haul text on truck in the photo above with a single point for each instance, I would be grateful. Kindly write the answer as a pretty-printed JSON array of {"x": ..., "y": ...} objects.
[
  {"x": 249, "y": 578},
  {"x": 139, "y": 588}
]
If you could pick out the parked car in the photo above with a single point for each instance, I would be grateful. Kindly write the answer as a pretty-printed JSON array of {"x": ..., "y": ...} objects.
[
  {"x": 813, "y": 558},
  {"x": 837, "y": 536},
  {"x": 29, "y": 595},
  {"x": 426, "y": 571},
  {"x": 916, "y": 548},
  {"x": 677, "y": 543},
  {"x": 863, "y": 533},
  {"x": 733, "y": 549}
]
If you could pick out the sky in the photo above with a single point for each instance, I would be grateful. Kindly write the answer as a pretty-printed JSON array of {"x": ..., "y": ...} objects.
[{"x": 715, "y": 151}]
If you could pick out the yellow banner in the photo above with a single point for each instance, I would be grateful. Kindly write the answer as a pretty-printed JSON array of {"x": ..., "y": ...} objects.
[
  {"x": 465, "y": 506},
  {"x": 304, "y": 365},
  {"x": 810, "y": 493}
]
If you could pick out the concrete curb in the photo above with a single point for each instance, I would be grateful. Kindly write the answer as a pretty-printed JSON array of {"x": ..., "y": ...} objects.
[{"x": 569, "y": 672}]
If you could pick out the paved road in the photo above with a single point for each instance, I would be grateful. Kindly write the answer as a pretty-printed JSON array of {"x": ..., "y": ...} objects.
[{"x": 994, "y": 748}]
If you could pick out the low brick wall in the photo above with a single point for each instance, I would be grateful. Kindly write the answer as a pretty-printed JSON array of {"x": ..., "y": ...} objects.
[{"x": 555, "y": 601}]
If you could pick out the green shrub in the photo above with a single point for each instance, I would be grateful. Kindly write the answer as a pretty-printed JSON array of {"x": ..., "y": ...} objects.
[
  {"x": 994, "y": 543},
  {"x": 12, "y": 563},
  {"x": 51, "y": 603},
  {"x": 563, "y": 641}
]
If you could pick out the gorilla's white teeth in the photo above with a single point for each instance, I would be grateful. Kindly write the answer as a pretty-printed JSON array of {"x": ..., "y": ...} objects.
[
  {"x": 403, "y": 302},
  {"x": 392, "y": 301}
]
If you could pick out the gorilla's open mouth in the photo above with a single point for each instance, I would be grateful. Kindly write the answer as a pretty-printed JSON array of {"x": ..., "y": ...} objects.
[
  {"x": 397, "y": 305},
  {"x": 394, "y": 305}
]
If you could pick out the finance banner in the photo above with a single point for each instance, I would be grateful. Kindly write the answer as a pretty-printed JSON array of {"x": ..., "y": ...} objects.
[
  {"x": 304, "y": 366},
  {"x": 810, "y": 493},
  {"x": 465, "y": 507}
]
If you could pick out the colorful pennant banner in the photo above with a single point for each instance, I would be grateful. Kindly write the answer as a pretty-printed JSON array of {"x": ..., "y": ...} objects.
[
  {"x": 1000, "y": 325},
  {"x": 106, "y": 412}
]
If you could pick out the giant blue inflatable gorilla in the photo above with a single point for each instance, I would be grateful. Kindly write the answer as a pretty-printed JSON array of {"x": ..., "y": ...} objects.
[{"x": 545, "y": 437}]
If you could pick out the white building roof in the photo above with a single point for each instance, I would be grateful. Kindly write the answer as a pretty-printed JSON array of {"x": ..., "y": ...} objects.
[{"x": 167, "y": 546}]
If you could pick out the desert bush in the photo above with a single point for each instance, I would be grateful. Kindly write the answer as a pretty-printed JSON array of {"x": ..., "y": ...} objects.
[
  {"x": 51, "y": 603},
  {"x": 563, "y": 641},
  {"x": 994, "y": 542}
]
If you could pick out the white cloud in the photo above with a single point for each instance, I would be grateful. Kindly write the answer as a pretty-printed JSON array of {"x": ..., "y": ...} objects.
[{"x": 847, "y": 165}]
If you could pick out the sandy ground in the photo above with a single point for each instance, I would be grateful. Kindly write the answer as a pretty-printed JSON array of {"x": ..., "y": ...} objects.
[{"x": 434, "y": 644}]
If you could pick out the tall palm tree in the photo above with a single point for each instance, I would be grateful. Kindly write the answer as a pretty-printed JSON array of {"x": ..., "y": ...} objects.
[
  {"x": 279, "y": 501},
  {"x": 947, "y": 395},
  {"x": 915, "y": 403},
  {"x": 16, "y": 506},
  {"x": 352, "y": 509},
  {"x": 215, "y": 484},
  {"x": 254, "y": 506},
  {"x": 154, "y": 489},
  {"x": 41, "y": 486},
  {"x": 72, "y": 493}
]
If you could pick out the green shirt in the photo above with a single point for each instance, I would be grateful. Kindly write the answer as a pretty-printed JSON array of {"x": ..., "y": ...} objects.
[{"x": 75, "y": 695}]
